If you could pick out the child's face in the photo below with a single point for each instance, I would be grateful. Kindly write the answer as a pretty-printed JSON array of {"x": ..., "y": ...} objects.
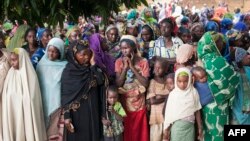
[
  {"x": 83, "y": 56},
  {"x": 170, "y": 84},
  {"x": 158, "y": 69},
  {"x": 14, "y": 60},
  {"x": 186, "y": 37},
  {"x": 182, "y": 82},
  {"x": 200, "y": 76},
  {"x": 53, "y": 53},
  {"x": 112, "y": 97}
]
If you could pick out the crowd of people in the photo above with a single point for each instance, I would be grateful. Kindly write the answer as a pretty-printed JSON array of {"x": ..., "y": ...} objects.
[{"x": 166, "y": 73}]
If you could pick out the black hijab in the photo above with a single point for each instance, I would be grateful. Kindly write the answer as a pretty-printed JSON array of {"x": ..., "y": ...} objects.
[{"x": 75, "y": 77}]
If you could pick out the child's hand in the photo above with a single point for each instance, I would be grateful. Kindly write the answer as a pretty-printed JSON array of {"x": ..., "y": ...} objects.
[
  {"x": 111, "y": 109},
  {"x": 106, "y": 122},
  {"x": 200, "y": 134},
  {"x": 69, "y": 125}
]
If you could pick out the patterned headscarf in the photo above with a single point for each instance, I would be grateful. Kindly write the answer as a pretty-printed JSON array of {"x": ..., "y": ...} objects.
[
  {"x": 233, "y": 35},
  {"x": 40, "y": 32},
  {"x": 240, "y": 53}
]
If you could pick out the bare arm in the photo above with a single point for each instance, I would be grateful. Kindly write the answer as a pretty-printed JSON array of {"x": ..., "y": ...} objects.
[
  {"x": 199, "y": 124},
  {"x": 120, "y": 78},
  {"x": 140, "y": 78}
]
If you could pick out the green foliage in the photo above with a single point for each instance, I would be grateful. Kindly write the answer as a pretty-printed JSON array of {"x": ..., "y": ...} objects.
[{"x": 54, "y": 11}]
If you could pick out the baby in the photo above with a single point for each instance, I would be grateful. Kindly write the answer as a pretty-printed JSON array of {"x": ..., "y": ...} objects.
[{"x": 202, "y": 86}]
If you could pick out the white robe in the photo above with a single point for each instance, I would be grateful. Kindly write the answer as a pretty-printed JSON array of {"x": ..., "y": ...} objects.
[{"x": 22, "y": 112}]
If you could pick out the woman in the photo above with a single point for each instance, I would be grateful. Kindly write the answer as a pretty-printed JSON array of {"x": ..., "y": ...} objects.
[
  {"x": 222, "y": 80},
  {"x": 22, "y": 104},
  {"x": 167, "y": 44},
  {"x": 146, "y": 41},
  {"x": 83, "y": 103},
  {"x": 132, "y": 74},
  {"x": 241, "y": 105},
  {"x": 30, "y": 39},
  {"x": 4, "y": 67},
  {"x": 226, "y": 24},
  {"x": 43, "y": 36},
  {"x": 112, "y": 37},
  {"x": 102, "y": 58},
  {"x": 49, "y": 71}
]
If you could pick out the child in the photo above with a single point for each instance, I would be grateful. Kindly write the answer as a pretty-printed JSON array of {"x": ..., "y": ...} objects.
[
  {"x": 182, "y": 109},
  {"x": 202, "y": 86},
  {"x": 113, "y": 126},
  {"x": 170, "y": 87},
  {"x": 156, "y": 96}
]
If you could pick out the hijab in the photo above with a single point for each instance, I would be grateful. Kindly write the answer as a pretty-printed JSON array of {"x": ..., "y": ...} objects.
[
  {"x": 181, "y": 103},
  {"x": 50, "y": 74}
]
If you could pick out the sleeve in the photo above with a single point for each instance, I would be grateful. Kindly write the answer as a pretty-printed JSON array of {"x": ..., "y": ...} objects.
[
  {"x": 151, "y": 90},
  {"x": 118, "y": 65},
  {"x": 145, "y": 68},
  {"x": 119, "y": 109}
]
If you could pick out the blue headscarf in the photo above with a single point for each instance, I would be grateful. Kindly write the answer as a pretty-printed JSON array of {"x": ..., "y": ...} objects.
[
  {"x": 225, "y": 23},
  {"x": 39, "y": 34},
  {"x": 240, "y": 26},
  {"x": 49, "y": 74},
  {"x": 212, "y": 26}
]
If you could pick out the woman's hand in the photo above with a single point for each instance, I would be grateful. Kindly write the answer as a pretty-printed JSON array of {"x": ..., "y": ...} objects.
[
  {"x": 125, "y": 63},
  {"x": 92, "y": 60},
  {"x": 166, "y": 135},
  {"x": 69, "y": 125}
]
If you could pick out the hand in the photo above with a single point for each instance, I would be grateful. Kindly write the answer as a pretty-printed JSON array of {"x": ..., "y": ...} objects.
[
  {"x": 130, "y": 62},
  {"x": 125, "y": 63},
  {"x": 111, "y": 109},
  {"x": 200, "y": 134},
  {"x": 106, "y": 122},
  {"x": 92, "y": 60},
  {"x": 69, "y": 125},
  {"x": 166, "y": 135}
]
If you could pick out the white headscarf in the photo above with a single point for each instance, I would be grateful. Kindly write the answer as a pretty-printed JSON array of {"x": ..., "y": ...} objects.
[{"x": 181, "y": 103}]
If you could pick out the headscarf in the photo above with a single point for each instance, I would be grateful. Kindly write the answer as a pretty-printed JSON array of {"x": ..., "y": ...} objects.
[
  {"x": 212, "y": 26},
  {"x": 222, "y": 78},
  {"x": 49, "y": 74},
  {"x": 181, "y": 103},
  {"x": 184, "y": 53},
  {"x": 240, "y": 26},
  {"x": 106, "y": 33},
  {"x": 74, "y": 73},
  {"x": 225, "y": 23},
  {"x": 195, "y": 25},
  {"x": 102, "y": 59},
  {"x": 151, "y": 30},
  {"x": 40, "y": 32},
  {"x": 22, "y": 93},
  {"x": 229, "y": 16},
  {"x": 240, "y": 53},
  {"x": 132, "y": 14},
  {"x": 131, "y": 40},
  {"x": 148, "y": 20},
  {"x": 233, "y": 35}
]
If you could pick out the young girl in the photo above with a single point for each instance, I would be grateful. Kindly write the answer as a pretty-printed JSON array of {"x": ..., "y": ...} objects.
[
  {"x": 113, "y": 126},
  {"x": 22, "y": 104},
  {"x": 170, "y": 87},
  {"x": 156, "y": 96},
  {"x": 182, "y": 109}
]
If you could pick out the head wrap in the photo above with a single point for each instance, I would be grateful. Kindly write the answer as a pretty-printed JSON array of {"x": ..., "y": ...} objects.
[
  {"x": 184, "y": 53},
  {"x": 240, "y": 26},
  {"x": 59, "y": 44},
  {"x": 198, "y": 24},
  {"x": 40, "y": 32},
  {"x": 212, "y": 26},
  {"x": 129, "y": 37},
  {"x": 240, "y": 53},
  {"x": 233, "y": 35},
  {"x": 132, "y": 14},
  {"x": 225, "y": 23}
]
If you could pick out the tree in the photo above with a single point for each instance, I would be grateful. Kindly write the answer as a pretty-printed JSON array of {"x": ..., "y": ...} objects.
[{"x": 54, "y": 11}]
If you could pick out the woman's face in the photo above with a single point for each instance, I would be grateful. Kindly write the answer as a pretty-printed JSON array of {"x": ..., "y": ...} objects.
[
  {"x": 46, "y": 37},
  {"x": 198, "y": 33},
  {"x": 14, "y": 61},
  {"x": 126, "y": 49},
  {"x": 145, "y": 34},
  {"x": 166, "y": 29},
  {"x": 83, "y": 56},
  {"x": 112, "y": 35},
  {"x": 31, "y": 37},
  {"x": 53, "y": 53},
  {"x": 246, "y": 60},
  {"x": 182, "y": 82}
]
